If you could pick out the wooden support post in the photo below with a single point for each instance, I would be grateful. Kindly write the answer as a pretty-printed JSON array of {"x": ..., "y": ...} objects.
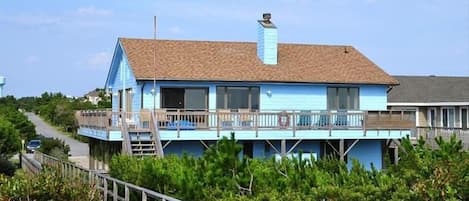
[
  {"x": 341, "y": 150},
  {"x": 396, "y": 154},
  {"x": 283, "y": 148}
]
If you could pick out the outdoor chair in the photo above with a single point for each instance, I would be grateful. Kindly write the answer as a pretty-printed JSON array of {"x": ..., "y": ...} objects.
[
  {"x": 323, "y": 121},
  {"x": 304, "y": 120},
  {"x": 245, "y": 117},
  {"x": 162, "y": 117},
  {"x": 341, "y": 118},
  {"x": 225, "y": 118}
]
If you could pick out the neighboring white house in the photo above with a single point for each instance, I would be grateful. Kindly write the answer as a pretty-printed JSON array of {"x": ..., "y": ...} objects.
[{"x": 93, "y": 96}]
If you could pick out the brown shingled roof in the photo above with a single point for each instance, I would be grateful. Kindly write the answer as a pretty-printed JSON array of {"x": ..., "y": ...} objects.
[{"x": 238, "y": 61}]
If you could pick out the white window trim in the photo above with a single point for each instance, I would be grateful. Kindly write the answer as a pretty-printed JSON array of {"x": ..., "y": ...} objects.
[
  {"x": 417, "y": 119},
  {"x": 454, "y": 116},
  {"x": 460, "y": 116},
  {"x": 429, "y": 119}
]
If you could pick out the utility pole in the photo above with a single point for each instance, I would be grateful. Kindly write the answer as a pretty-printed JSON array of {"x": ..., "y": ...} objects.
[{"x": 154, "y": 64}]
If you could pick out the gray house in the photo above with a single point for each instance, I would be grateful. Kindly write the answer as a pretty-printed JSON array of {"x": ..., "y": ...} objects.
[{"x": 441, "y": 103}]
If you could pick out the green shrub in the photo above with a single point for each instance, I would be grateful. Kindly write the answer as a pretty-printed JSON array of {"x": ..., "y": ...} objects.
[
  {"x": 10, "y": 142},
  {"x": 7, "y": 167},
  {"x": 220, "y": 174},
  {"x": 54, "y": 147},
  {"x": 48, "y": 185}
]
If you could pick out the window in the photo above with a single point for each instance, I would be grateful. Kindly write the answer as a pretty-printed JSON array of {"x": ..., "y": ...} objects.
[
  {"x": 238, "y": 97},
  {"x": 464, "y": 118},
  {"x": 447, "y": 117},
  {"x": 184, "y": 98},
  {"x": 342, "y": 98},
  {"x": 432, "y": 117}
]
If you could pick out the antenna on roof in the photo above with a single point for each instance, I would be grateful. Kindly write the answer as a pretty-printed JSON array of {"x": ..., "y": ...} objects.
[{"x": 153, "y": 91}]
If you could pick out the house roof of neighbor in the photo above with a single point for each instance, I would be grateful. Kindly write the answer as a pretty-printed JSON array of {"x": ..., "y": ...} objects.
[
  {"x": 430, "y": 89},
  {"x": 238, "y": 61}
]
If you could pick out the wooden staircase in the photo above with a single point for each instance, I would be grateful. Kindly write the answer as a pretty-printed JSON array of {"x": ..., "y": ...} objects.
[{"x": 142, "y": 141}]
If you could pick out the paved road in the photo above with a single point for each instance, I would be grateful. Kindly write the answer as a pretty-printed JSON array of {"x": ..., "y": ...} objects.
[{"x": 77, "y": 149}]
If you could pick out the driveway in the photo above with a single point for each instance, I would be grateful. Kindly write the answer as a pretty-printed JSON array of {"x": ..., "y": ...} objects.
[{"x": 79, "y": 151}]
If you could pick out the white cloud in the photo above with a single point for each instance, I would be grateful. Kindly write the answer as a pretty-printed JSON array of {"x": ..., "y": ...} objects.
[
  {"x": 31, "y": 59},
  {"x": 99, "y": 60},
  {"x": 92, "y": 11},
  {"x": 175, "y": 30}
]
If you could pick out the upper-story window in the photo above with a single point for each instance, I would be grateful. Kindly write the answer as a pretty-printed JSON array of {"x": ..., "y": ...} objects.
[
  {"x": 342, "y": 98},
  {"x": 448, "y": 117},
  {"x": 238, "y": 98}
]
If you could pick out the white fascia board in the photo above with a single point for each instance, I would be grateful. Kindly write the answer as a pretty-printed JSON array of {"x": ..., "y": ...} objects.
[{"x": 428, "y": 104}]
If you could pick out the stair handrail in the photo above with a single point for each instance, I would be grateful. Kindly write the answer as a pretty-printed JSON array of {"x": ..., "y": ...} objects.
[
  {"x": 126, "y": 146},
  {"x": 156, "y": 135}
]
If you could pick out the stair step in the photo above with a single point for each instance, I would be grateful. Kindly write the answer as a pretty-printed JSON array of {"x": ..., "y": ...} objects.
[
  {"x": 143, "y": 145},
  {"x": 144, "y": 154},
  {"x": 143, "y": 149}
]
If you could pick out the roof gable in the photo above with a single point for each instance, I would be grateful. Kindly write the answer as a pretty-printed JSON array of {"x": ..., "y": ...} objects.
[{"x": 238, "y": 61}]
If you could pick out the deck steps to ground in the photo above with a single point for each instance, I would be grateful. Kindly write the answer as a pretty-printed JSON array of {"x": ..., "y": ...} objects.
[{"x": 142, "y": 144}]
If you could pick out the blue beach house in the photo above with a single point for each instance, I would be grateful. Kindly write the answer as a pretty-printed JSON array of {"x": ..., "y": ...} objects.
[{"x": 175, "y": 96}]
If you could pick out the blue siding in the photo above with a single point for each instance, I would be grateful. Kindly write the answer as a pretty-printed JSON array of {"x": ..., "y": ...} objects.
[
  {"x": 293, "y": 97},
  {"x": 121, "y": 78},
  {"x": 258, "y": 149},
  {"x": 306, "y": 146},
  {"x": 150, "y": 101},
  {"x": 282, "y": 96},
  {"x": 373, "y": 97},
  {"x": 194, "y": 148},
  {"x": 366, "y": 152},
  {"x": 267, "y": 44}
]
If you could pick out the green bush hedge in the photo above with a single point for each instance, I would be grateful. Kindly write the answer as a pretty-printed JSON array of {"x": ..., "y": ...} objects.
[
  {"x": 48, "y": 185},
  {"x": 54, "y": 147},
  {"x": 422, "y": 174}
]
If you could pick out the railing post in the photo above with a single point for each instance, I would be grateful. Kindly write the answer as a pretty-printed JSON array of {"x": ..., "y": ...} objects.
[
  {"x": 178, "y": 120},
  {"x": 294, "y": 123},
  {"x": 144, "y": 196},
  {"x": 114, "y": 191},
  {"x": 105, "y": 189},
  {"x": 329, "y": 124},
  {"x": 256, "y": 122},
  {"x": 126, "y": 193},
  {"x": 365, "y": 115},
  {"x": 217, "y": 114}
]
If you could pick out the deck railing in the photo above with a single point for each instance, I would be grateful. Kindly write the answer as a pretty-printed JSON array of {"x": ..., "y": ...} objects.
[
  {"x": 429, "y": 134},
  {"x": 178, "y": 120}
]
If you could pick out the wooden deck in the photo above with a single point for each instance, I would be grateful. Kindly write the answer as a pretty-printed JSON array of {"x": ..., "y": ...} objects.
[{"x": 281, "y": 120}]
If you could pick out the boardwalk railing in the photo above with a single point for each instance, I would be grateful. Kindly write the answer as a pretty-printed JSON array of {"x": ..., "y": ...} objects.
[
  {"x": 244, "y": 119},
  {"x": 109, "y": 187}
]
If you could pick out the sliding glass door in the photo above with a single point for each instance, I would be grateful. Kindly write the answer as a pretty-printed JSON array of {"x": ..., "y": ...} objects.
[{"x": 184, "y": 98}]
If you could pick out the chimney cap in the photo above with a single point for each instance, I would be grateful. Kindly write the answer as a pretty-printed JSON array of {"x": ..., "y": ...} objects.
[
  {"x": 265, "y": 22},
  {"x": 266, "y": 17}
]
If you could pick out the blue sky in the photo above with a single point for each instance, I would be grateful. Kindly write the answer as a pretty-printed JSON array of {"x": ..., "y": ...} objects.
[{"x": 67, "y": 46}]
